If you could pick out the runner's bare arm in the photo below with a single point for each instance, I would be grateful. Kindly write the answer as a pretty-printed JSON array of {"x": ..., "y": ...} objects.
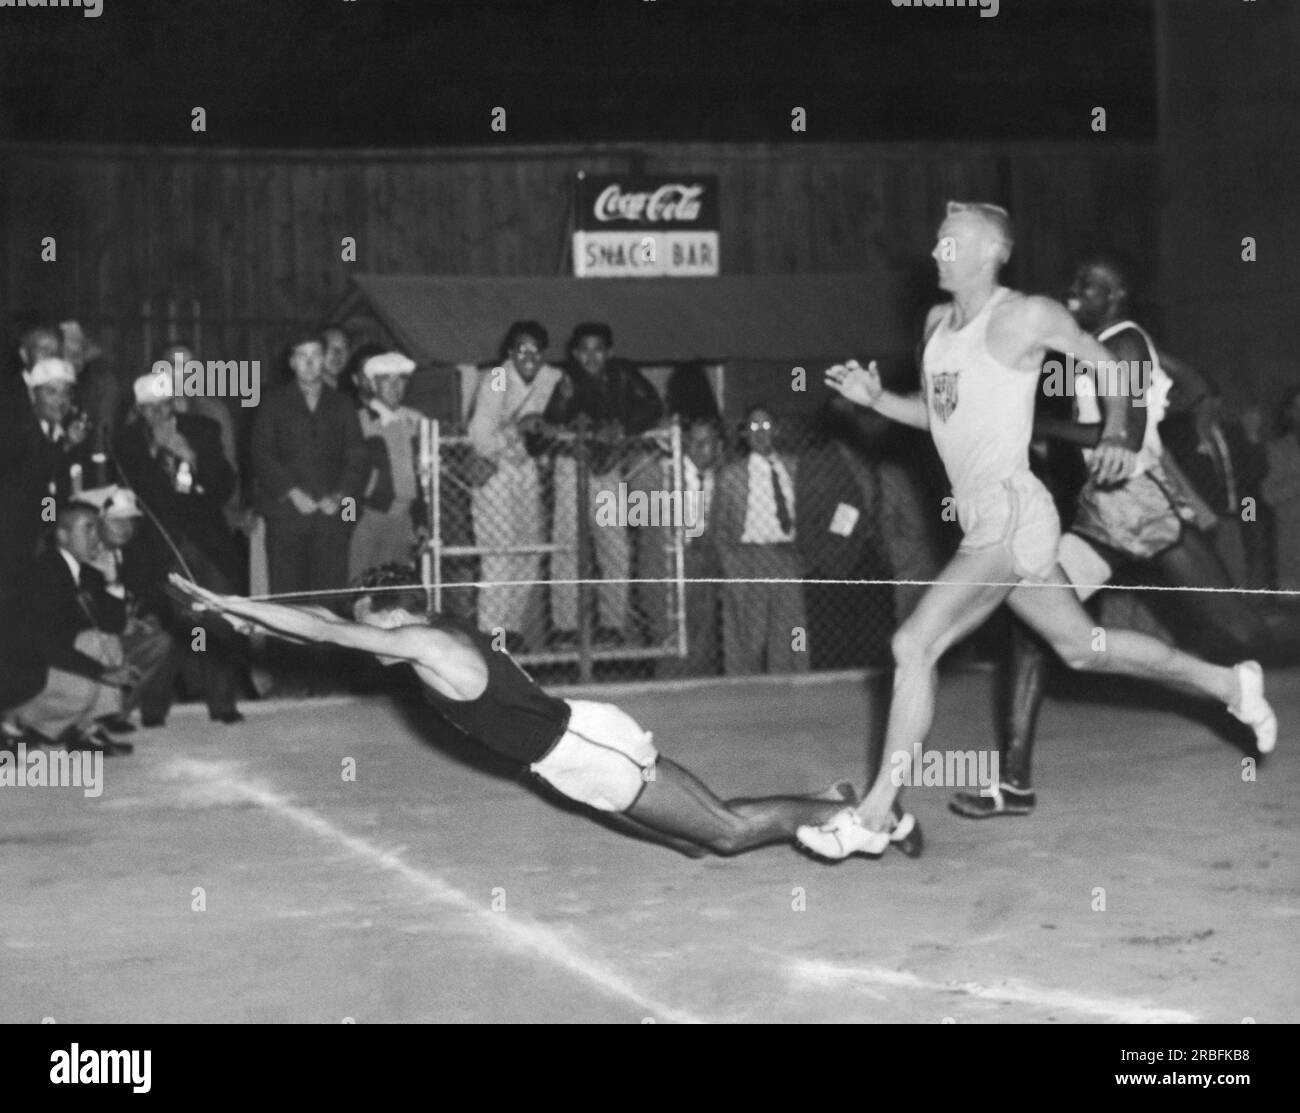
[
  {"x": 1052, "y": 328},
  {"x": 322, "y": 627},
  {"x": 1132, "y": 403},
  {"x": 862, "y": 385}
]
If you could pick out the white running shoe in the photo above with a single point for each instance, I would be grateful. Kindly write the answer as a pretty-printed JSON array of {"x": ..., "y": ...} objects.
[
  {"x": 840, "y": 836},
  {"x": 1252, "y": 708}
]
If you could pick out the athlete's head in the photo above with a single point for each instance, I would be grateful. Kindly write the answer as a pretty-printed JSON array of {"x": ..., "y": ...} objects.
[
  {"x": 388, "y": 597},
  {"x": 974, "y": 242},
  {"x": 1099, "y": 293}
]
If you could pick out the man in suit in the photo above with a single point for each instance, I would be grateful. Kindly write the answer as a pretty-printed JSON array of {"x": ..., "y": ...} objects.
[
  {"x": 309, "y": 466},
  {"x": 38, "y": 446},
  {"x": 175, "y": 465},
  {"x": 702, "y": 453},
  {"x": 763, "y": 625},
  {"x": 76, "y": 626},
  {"x": 308, "y": 457}
]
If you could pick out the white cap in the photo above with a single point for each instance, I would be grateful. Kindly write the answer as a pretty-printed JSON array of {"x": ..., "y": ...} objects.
[
  {"x": 112, "y": 501},
  {"x": 153, "y": 387},
  {"x": 390, "y": 363},
  {"x": 51, "y": 370},
  {"x": 122, "y": 503}
]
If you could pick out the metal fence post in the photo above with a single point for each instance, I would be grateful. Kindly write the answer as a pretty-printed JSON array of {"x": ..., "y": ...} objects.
[
  {"x": 679, "y": 539},
  {"x": 584, "y": 540}
]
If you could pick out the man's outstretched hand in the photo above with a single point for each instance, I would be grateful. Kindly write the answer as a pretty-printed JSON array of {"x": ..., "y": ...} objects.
[
  {"x": 207, "y": 600},
  {"x": 857, "y": 383},
  {"x": 201, "y": 599}
]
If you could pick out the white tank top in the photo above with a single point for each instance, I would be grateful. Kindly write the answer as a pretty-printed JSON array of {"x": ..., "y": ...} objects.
[
  {"x": 981, "y": 411},
  {"x": 1088, "y": 410}
]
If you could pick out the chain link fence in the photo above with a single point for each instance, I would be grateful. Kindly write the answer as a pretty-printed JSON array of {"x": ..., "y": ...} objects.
[{"x": 677, "y": 552}]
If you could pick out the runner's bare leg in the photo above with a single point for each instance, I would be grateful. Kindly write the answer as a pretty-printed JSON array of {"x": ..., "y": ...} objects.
[
  {"x": 957, "y": 603},
  {"x": 1059, "y": 618}
]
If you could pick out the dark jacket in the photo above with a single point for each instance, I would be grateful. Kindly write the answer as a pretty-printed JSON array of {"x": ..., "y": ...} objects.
[
  {"x": 620, "y": 393},
  {"x": 825, "y": 480},
  {"x": 198, "y": 515},
  {"x": 29, "y": 464},
  {"x": 319, "y": 452},
  {"x": 731, "y": 499},
  {"x": 23, "y": 671},
  {"x": 59, "y": 609}
]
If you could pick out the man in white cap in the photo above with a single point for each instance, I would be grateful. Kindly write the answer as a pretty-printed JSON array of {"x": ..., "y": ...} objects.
[
  {"x": 385, "y": 533},
  {"x": 175, "y": 465},
  {"x": 38, "y": 448},
  {"x": 132, "y": 576}
]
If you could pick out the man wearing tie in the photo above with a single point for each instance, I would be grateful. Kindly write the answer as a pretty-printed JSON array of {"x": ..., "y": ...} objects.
[
  {"x": 701, "y": 455},
  {"x": 763, "y": 625},
  {"x": 76, "y": 626},
  {"x": 36, "y": 451}
]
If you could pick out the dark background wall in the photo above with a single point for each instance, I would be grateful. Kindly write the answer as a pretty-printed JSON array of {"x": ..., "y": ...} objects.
[
  {"x": 253, "y": 237},
  {"x": 906, "y": 108},
  {"x": 1230, "y": 157}
]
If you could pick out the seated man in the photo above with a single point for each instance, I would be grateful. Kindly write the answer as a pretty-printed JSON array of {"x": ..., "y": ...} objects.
[
  {"x": 135, "y": 571},
  {"x": 593, "y": 753},
  {"x": 76, "y": 626}
]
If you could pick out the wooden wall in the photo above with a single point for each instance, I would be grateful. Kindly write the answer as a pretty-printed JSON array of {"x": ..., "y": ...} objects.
[
  {"x": 253, "y": 237},
  {"x": 1230, "y": 151}
]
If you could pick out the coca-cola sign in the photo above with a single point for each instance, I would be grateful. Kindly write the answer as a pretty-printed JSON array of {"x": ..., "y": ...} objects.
[
  {"x": 606, "y": 201},
  {"x": 632, "y": 226},
  {"x": 668, "y": 202}
]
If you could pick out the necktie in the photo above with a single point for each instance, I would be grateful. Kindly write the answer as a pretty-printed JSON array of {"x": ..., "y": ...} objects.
[
  {"x": 84, "y": 597},
  {"x": 782, "y": 509}
]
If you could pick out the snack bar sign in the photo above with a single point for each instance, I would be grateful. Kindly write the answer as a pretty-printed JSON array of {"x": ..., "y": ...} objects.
[{"x": 646, "y": 227}]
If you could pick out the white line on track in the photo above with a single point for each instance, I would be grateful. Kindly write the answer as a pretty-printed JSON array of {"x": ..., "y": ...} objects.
[
  {"x": 222, "y": 781},
  {"x": 829, "y": 975}
]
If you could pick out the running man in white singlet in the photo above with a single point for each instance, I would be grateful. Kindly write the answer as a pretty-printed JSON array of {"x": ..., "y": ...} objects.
[{"x": 983, "y": 352}]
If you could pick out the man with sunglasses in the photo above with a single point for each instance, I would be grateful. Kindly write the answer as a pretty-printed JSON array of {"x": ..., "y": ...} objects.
[{"x": 764, "y": 628}]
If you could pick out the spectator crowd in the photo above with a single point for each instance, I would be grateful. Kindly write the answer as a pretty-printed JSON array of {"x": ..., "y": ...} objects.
[{"x": 110, "y": 484}]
